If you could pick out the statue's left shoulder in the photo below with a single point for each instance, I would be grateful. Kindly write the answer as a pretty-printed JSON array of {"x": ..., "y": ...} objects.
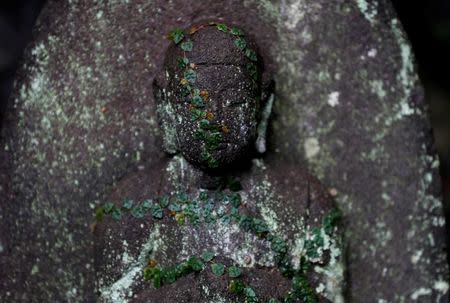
[{"x": 290, "y": 191}]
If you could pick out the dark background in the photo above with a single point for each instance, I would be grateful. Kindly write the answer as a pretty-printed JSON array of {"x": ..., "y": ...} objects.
[{"x": 426, "y": 22}]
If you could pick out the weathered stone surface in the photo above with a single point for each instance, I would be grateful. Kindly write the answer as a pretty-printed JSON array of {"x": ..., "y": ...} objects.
[
  {"x": 348, "y": 106},
  {"x": 233, "y": 97},
  {"x": 288, "y": 199}
]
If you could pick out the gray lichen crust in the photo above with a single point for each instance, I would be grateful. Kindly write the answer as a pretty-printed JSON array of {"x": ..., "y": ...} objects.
[{"x": 349, "y": 106}]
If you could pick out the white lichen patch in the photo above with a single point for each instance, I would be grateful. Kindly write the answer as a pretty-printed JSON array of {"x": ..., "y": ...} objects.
[
  {"x": 294, "y": 12},
  {"x": 311, "y": 147},
  {"x": 377, "y": 87},
  {"x": 120, "y": 291},
  {"x": 368, "y": 9},
  {"x": 333, "y": 272},
  {"x": 70, "y": 135},
  {"x": 416, "y": 257},
  {"x": 420, "y": 293},
  {"x": 407, "y": 75},
  {"x": 441, "y": 286},
  {"x": 372, "y": 53},
  {"x": 333, "y": 99},
  {"x": 34, "y": 269}
]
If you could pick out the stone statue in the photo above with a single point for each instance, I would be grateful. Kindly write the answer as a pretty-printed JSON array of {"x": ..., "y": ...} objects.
[{"x": 216, "y": 220}]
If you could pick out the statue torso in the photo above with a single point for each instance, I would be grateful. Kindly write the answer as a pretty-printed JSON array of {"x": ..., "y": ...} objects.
[{"x": 279, "y": 202}]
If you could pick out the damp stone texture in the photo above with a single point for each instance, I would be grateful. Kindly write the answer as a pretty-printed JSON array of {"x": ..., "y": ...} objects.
[{"x": 348, "y": 107}]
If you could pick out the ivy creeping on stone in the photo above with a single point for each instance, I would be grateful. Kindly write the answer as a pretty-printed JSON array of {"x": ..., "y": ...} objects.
[
  {"x": 225, "y": 205},
  {"x": 209, "y": 133}
]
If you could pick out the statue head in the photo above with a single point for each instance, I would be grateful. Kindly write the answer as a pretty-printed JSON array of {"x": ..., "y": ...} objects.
[{"x": 209, "y": 96}]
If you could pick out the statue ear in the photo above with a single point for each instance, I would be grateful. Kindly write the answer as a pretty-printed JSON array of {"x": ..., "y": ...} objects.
[
  {"x": 263, "y": 124},
  {"x": 166, "y": 119}
]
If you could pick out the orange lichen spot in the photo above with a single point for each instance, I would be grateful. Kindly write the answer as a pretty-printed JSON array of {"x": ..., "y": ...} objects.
[
  {"x": 204, "y": 94},
  {"x": 225, "y": 129},
  {"x": 195, "y": 29},
  {"x": 209, "y": 116},
  {"x": 152, "y": 263},
  {"x": 184, "y": 81},
  {"x": 172, "y": 213},
  {"x": 104, "y": 109}
]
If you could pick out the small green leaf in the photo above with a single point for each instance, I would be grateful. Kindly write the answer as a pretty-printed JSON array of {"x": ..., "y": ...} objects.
[
  {"x": 150, "y": 273},
  {"x": 187, "y": 46},
  {"x": 260, "y": 226},
  {"x": 204, "y": 124},
  {"x": 218, "y": 269},
  {"x": 236, "y": 286},
  {"x": 182, "y": 198},
  {"x": 170, "y": 275},
  {"x": 222, "y": 27},
  {"x": 157, "y": 211},
  {"x": 197, "y": 101},
  {"x": 213, "y": 163},
  {"x": 116, "y": 213},
  {"x": 138, "y": 212},
  {"x": 226, "y": 219},
  {"x": 234, "y": 271},
  {"x": 108, "y": 207},
  {"x": 234, "y": 212},
  {"x": 251, "y": 54},
  {"x": 195, "y": 263},
  {"x": 203, "y": 195},
  {"x": 220, "y": 212},
  {"x": 197, "y": 114},
  {"x": 164, "y": 201},
  {"x": 127, "y": 204},
  {"x": 157, "y": 280},
  {"x": 175, "y": 207},
  {"x": 190, "y": 75},
  {"x": 240, "y": 43},
  {"x": 207, "y": 256},
  {"x": 246, "y": 223},
  {"x": 237, "y": 32},
  {"x": 176, "y": 35},
  {"x": 213, "y": 139},
  {"x": 147, "y": 204},
  {"x": 183, "y": 62},
  {"x": 236, "y": 200},
  {"x": 249, "y": 292},
  {"x": 185, "y": 90},
  {"x": 200, "y": 134}
]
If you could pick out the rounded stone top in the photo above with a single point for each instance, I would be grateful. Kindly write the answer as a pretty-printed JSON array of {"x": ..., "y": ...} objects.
[{"x": 209, "y": 99}]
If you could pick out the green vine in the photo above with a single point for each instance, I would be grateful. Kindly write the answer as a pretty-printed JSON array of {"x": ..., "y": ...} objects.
[
  {"x": 225, "y": 205},
  {"x": 211, "y": 134}
]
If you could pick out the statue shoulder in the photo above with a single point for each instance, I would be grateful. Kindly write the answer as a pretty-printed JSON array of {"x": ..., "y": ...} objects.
[{"x": 289, "y": 189}]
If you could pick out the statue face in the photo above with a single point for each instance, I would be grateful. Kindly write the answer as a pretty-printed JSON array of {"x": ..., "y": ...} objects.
[{"x": 213, "y": 94}]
